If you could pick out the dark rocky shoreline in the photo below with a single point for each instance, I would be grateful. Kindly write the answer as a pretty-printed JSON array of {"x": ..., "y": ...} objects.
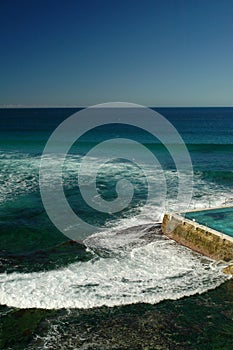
[{"x": 199, "y": 322}]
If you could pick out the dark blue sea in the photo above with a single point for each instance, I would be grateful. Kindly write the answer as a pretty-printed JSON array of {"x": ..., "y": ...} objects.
[{"x": 126, "y": 261}]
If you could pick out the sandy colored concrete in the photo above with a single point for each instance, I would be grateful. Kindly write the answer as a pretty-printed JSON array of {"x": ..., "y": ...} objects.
[{"x": 197, "y": 237}]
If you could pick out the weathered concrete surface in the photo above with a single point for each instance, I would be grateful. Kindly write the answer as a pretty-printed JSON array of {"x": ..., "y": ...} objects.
[
  {"x": 197, "y": 237},
  {"x": 228, "y": 270}
]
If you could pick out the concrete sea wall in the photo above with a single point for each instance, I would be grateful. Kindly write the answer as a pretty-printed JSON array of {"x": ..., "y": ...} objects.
[{"x": 197, "y": 237}]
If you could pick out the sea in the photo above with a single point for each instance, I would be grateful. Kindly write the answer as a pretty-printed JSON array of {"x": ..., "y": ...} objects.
[{"x": 122, "y": 285}]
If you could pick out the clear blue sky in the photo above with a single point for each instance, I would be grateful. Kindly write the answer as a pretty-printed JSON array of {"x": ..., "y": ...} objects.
[{"x": 156, "y": 53}]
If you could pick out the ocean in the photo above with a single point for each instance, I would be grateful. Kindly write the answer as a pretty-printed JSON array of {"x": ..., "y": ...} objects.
[{"x": 123, "y": 285}]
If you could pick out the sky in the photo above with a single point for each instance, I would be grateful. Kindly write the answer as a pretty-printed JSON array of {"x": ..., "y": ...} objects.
[{"x": 81, "y": 53}]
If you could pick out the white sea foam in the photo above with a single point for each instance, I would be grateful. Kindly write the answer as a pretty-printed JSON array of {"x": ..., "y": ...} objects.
[
  {"x": 134, "y": 270},
  {"x": 19, "y": 175},
  {"x": 149, "y": 273}
]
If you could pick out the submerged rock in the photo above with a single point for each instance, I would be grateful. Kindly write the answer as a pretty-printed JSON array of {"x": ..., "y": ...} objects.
[{"x": 57, "y": 256}]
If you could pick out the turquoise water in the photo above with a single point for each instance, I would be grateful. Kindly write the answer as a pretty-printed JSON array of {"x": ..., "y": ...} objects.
[{"x": 220, "y": 219}]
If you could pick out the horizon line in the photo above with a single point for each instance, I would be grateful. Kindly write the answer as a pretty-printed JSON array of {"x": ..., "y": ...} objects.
[{"x": 6, "y": 106}]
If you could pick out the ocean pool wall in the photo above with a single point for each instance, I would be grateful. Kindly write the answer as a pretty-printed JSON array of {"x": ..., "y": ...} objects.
[{"x": 197, "y": 237}]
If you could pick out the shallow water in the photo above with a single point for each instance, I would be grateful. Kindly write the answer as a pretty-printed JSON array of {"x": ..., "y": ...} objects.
[{"x": 218, "y": 219}]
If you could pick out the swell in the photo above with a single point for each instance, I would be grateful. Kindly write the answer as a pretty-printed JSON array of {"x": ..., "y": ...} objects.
[
  {"x": 209, "y": 147},
  {"x": 219, "y": 176}
]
